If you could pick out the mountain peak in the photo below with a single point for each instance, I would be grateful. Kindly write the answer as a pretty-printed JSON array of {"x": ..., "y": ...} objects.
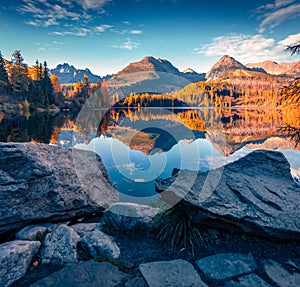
[
  {"x": 67, "y": 74},
  {"x": 189, "y": 71},
  {"x": 272, "y": 67},
  {"x": 224, "y": 64},
  {"x": 148, "y": 64}
]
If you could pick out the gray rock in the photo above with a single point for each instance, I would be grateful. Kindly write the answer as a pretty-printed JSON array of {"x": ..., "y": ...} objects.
[
  {"x": 39, "y": 182},
  {"x": 246, "y": 281},
  {"x": 226, "y": 265},
  {"x": 15, "y": 258},
  {"x": 84, "y": 274},
  {"x": 138, "y": 281},
  {"x": 60, "y": 245},
  {"x": 279, "y": 275},
  {"x": 127, "y": 216},
  {"x": 100, "y": 244},
  {"x": 84, "y": 228},
  {"x": 255, "y": 195},
  {"x": 171, "y": 273},
  {"x": 35, "y": 232}
]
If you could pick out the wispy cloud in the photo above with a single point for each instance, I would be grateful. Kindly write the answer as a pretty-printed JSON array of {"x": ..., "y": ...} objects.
[
  {"x": 102, "y": 28},
  {"x": 136, "y": 32},
  {"x": 274, "y": 14},
  {"x": 127, "y": 45},
  {"x": 92, "y": 4},
  {"x": 248, "y": 48},
  {"x": 81, "y": 32},
  {"x": 46, "y": 14}
]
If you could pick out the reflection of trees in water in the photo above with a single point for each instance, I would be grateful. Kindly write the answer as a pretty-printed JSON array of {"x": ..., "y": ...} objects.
[
  {"x": 234, "y": 122},
  {"x": 293, "y": 133},
  {"x": 38, "y": 127}
]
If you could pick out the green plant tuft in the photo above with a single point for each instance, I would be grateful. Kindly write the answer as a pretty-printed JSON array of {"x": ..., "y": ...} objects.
[{"x": 176, "y": 229}]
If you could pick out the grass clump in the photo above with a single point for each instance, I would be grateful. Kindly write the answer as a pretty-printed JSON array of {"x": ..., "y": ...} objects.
[{"x": 176, "y": 229}]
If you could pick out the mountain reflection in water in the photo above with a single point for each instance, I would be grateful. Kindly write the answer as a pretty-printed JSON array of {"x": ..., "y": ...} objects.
[{"x": 140, "y": 145}]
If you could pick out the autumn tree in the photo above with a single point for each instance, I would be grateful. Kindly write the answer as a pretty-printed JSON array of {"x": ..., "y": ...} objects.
[{"x": 56, "y": 85}]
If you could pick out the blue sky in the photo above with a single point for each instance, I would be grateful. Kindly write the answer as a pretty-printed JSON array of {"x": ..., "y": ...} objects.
[{"x": 106, "y": 35}]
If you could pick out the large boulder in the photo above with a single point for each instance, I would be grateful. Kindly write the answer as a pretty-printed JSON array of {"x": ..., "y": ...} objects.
[
  {"x": 40, "y": 182},
  {"x": 255, "y": 194},
  {"x": 15, "y": 258}
]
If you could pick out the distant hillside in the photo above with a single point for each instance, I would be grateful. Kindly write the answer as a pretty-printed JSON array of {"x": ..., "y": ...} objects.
[
  {"x": 294, "y": 71},
  {"x": 230, "y": 70},
  {"x": 151, "y": 75},
  {"x": 68, "y": 74},
  {"x": 193, "y": 76},
  {"x": 273, "y": 68},
  {"x": 225, "y": 64}
]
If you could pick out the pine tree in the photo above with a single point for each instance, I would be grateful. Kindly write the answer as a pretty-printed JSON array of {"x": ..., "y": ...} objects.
[
  {"x": 47, "y": 87},
  {"x": 18, "y": 74},
  {"x": 4, "y": 82}
]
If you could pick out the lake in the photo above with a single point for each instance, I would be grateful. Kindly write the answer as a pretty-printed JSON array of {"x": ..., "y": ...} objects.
[{"x": 139, "y": 146}]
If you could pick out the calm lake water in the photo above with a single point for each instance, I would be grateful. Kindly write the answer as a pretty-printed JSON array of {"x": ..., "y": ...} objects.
[{"x": 140, "y": 146}]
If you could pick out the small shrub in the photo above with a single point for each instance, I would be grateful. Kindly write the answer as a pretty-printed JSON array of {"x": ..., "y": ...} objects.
[{"x": 175, "y": 228}]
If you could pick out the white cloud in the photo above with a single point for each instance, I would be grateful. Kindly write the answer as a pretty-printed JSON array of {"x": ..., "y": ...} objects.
[
  {"x": 41, "y": 49},
  {"x": 33, "y": 23},
  {"x": 290, "y": 40},
  {"x": 92, "y": 4},
  {"x": 136, "y": 32},
  {"x": 81, "y": 32},
  {"x": 128, "y": 45},
  {"x": 102, "y": 28},
  {"x": 248, "y": 48},
  {"x": 276, "y": 13}
]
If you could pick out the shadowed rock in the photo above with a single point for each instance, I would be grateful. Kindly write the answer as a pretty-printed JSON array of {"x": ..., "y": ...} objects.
[
  {"x": 171, "y": 273},
  {"x": 255, "y": 195},
  {"x": 127, "y": 216},
  {"x": 60, "y": 245},
  {"x": 15, "y": 258},
  {"x": 83, "y": 274},
  {"x": 46, "y": 183}
]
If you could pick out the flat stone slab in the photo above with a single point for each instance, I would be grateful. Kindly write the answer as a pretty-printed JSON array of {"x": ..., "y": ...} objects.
[
  {"x": 226, "y": 265},
  {"x": 171, "y": 273},
  {"x": 246, "y": 281},
  {"x": 84, "y": 274},
  {"x": 279, "y": 275}
]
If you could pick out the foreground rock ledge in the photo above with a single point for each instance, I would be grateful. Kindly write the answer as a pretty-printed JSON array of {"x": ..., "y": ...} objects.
[
  {"x": 40, "y": 182},
  {"x": 255, "y": 195}
]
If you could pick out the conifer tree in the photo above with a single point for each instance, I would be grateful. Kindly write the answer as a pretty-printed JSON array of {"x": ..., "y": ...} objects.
[
  {"x": 18, "y": 74},
  {"x": 4, "y": 82}
]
